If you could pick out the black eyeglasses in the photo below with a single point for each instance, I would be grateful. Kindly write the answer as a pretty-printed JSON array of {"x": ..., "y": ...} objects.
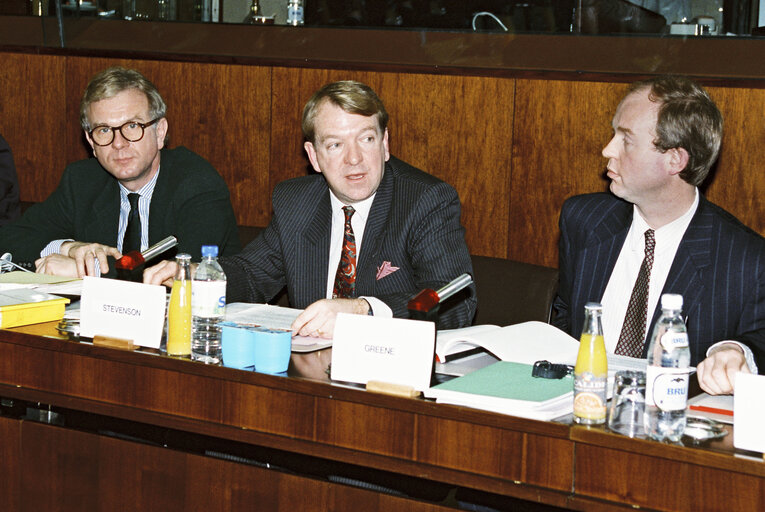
[{"x": 132, "y": 131}]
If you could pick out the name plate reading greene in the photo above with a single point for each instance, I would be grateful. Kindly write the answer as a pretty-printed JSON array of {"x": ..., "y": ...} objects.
[
  {"x": 393, "y": 350},
  {"x": 122, "y": 309}
]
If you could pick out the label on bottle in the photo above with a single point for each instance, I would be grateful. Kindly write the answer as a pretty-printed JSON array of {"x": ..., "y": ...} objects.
[
  {"x": 208, "y": 298},
  {"x": 590, "y": 397},
  {"x": 294, "y": 14},
  {"x": 671, "y": 340},
  {"x": 666, "y": 388}
]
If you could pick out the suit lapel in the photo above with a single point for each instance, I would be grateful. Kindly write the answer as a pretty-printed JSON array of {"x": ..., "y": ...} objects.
[
  {"x": 105, "y": 215},
  {"x": 373, "y": 234},
  {"x": 693, "y": 255},
  {"x": 316, "y": 240},
  {"x": 603, "y": 247}
]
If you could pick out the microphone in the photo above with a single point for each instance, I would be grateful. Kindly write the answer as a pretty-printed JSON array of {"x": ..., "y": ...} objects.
[
  {"x": 133, "y": 259},
  {"x": 6, "y": 265},
  {"x": 424, "y": 305}
]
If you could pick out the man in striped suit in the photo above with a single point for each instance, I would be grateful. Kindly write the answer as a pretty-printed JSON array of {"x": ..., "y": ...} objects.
[
  {"x": 667, "y": 134},
  {"x": 362, "y": 235}
]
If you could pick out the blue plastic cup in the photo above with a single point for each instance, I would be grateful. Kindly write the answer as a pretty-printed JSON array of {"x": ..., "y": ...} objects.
[
  {"x": 272, "y": 350},
  {"x": 238, "y": 346}
]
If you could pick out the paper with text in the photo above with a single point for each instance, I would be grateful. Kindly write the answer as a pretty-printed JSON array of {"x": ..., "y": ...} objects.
[{"x": 122, "y": 309}]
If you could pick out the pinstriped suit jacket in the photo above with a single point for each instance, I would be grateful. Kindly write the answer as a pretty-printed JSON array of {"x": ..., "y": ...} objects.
[
  {"x": 414, "y": 224},
  {"x": 719, "y": 269}
]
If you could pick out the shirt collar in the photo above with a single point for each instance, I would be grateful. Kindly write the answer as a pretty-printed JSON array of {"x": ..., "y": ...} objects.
[
  {"x": 665, "y": 234},
  {"x": 362, "y": 207},
  {"x": 145, "y": 191}
]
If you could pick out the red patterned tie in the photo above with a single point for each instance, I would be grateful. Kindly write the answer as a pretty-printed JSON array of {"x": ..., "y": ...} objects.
[
  {"x": 345, "y": 278},
  {"x": 632, "y": 337}
]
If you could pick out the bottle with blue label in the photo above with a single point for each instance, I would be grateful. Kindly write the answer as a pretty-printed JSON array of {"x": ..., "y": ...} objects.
[
  {"x": 208, "y": 307},
  {"x": 667, "y": 373}
]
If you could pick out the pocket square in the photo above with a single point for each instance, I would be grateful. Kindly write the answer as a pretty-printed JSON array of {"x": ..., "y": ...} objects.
[{"x": 385, "y": 269}]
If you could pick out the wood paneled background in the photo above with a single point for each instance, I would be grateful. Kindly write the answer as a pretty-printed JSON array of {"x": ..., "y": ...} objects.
[{"x": 514, "y": 148}]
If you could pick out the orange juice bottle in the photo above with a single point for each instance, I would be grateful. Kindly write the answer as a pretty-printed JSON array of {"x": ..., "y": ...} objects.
[
  {"x": 179, "y": 310},
  {"x": 591, "y": 370}
]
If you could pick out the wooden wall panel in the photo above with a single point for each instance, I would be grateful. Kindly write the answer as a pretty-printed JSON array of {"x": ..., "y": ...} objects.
[
  {"x": 32, "y": 120},
  {"x": 738, "y": 181},
  {"x": 560, "y": 129},
  {"x": 221, "y": 112},
  {"x": 10, "y": 456},
  {"x": 437, "y": 123}
]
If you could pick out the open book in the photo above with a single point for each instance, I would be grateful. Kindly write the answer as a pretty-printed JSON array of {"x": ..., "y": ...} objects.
[{"x": 526, "y": 342}]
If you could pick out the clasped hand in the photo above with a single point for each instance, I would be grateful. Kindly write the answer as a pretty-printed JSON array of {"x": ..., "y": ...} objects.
[
  {"x": 717, "y": 373},
  {"x": 77, "y": 259}
]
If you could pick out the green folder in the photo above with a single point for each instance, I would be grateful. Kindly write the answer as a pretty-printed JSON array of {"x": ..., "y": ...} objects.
[{"x": 508, "y": 380}]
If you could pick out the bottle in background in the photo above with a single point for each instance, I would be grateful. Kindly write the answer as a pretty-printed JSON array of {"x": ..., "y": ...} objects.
[
  {"x": 295, "y": 15},
  {"x": 208, "y": 306},
  {"x": 179, "y": 311},
  {"x": 591, "y": 370},
  {"x": 666, "y": 390}
]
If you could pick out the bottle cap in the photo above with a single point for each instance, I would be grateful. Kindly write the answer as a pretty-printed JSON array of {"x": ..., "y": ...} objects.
[
  {"x": 593, "y": 306},
  {"x": 209, "y": 251},
  {"x": 671, "y": 301}
]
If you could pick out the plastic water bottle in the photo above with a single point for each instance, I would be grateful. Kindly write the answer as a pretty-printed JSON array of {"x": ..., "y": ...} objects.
[
  {"x": 208, "y": 307},
  {"x": 667, "y": 373}
]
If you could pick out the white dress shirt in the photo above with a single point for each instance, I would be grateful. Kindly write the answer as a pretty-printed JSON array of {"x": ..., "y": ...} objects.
[
  {"x": 616, "y": 297},
  {"x": 358, "y": 223}
]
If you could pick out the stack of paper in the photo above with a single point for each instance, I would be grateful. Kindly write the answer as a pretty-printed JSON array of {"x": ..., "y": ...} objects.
[
  {"x": 508, "y": 388},
  {"x": 24, "y": 306}
]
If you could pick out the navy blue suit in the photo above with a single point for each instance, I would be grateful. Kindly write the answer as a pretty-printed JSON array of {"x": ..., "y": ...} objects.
[
  {"x": 719, "y": 269},
  {"x": 414, "y": 223}
]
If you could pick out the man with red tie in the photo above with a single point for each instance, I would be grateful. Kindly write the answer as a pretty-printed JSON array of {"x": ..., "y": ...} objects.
[{"x": 362, "y": 235}]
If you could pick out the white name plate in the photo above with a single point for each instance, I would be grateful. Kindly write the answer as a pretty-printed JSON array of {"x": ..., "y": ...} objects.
[
  {"x": 748, "y": 412},
  {"x": 393, "y": 350},
  {"x": 122, "y": 309}
]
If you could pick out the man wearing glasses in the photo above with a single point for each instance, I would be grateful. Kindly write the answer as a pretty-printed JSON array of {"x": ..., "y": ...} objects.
[{"x": 132, "y": 195}]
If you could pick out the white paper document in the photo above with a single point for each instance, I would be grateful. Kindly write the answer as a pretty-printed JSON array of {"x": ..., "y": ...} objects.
[{"x": 274, "y": 317}]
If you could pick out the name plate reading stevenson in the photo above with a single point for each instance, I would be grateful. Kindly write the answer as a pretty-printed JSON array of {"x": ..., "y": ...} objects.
[
  {"x": 122, "y": 309},
  {"x": 393, "y": 350}
]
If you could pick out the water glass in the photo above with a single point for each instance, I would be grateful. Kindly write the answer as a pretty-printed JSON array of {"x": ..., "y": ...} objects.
[{"x": 628, "y": 403}]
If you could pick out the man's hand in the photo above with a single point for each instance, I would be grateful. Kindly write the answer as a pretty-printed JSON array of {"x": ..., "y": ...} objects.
[
  {"x": 84, "y": 255},
  {"x": 318, "y": 319},
  {"x": 717, "y": 372},
  {"x": 161, "y": 273},
  {"x": 56, "y": 265}
]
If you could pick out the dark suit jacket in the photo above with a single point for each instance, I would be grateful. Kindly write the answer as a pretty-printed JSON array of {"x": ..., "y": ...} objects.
[
  {"x": 9, "y": 185},
  {"x": 414, "y": 224},
  {"x": 719, "y": 269},
  {"x": 190, "y": 201}
]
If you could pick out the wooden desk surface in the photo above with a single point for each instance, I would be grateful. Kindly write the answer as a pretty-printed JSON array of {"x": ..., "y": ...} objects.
[{"x": 547, "y": 462}]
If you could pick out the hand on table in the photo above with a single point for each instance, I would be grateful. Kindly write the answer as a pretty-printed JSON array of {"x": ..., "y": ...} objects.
[
  {"x": 85, "y": 254},
  {"x": 318, "y": 319},
  {"x": 717, "y": 372},
  {"x": 161, "y": 273}
]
